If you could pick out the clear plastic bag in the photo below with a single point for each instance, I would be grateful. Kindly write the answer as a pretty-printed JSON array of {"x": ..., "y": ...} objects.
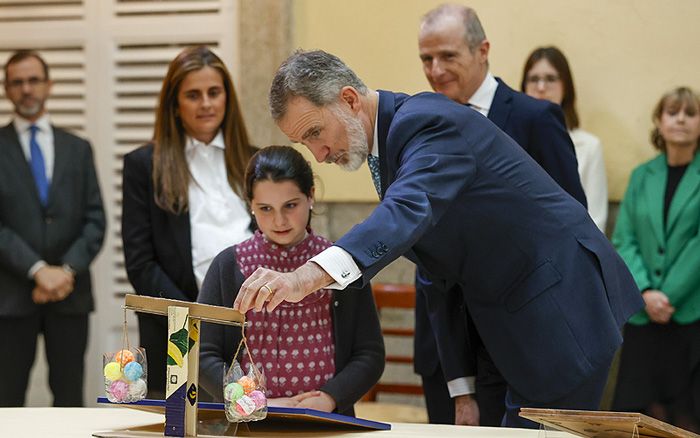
[
  {"x": 125, "y": 372},
  {"x": 244, "y": 393}
]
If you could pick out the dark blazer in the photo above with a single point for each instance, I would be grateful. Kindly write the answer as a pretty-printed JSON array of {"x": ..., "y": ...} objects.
[
  {"x": 157, "y": 253},
  {"x": 69, "y": 230},
  {"x": 359, "y": 347},
  {"x": 538, "y": 127},
  {"x": 546, "y": 290},
  {"x": 157, "y": 245}
]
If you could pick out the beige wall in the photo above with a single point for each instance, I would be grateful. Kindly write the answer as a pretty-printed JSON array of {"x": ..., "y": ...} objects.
[{"x": 624, "y": 54}]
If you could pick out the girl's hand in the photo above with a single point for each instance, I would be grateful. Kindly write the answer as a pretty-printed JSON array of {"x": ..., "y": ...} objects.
[{"x": 319, "y": 401}]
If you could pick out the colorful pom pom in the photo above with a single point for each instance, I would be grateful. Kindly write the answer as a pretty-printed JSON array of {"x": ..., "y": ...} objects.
[
  {"x": 137, "y": 390},
  {"x": 124, "y": 357},
  {"x": 113, "y": 371},
  {"x": 133, "y": 371},
  {"x": 119, "y": 390},
  {"x": 245, "y": 406},
  {"x": 259, "y": 398},
  {"x": 247, "y": 383},
  {"x": 233, "y": 392}
]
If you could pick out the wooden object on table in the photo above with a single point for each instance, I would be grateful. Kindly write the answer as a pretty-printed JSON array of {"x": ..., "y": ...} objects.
[
  {"x": 605, "y": 424},
  {"x": 202, "y": 312},
  {"x": 182, "y": 384}
]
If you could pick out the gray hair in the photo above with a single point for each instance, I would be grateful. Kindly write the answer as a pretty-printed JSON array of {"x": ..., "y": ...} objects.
[
  {"x": 473, "y": 30},
  {"x": 314, "y": 75}
]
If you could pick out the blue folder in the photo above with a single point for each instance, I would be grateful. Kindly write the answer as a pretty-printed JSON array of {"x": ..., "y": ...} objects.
[{"x": 295, "y": 414}]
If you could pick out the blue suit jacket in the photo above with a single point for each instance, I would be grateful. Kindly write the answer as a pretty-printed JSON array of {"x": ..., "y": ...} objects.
[
  {"x": 546, "y": 290},
  {"x": 538, "y": 127}
]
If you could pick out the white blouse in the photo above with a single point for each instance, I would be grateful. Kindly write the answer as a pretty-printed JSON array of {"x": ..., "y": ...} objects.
[
  {"x": 591, "y": 169},
  {"x": 218, "y": 217}
]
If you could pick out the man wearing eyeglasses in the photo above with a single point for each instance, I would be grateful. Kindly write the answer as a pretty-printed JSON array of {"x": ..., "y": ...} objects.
[
  {"x": 52, "y": 225},
  {"x": 454, "y": 51}
]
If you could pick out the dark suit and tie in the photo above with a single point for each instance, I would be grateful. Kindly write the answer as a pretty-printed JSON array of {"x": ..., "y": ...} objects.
[
  {"x": 546, "y": 291},
  {"x": 52, "y": 225},
  {"x": 521, "y": 275},
  {"x": 65, "y": 229},
  {"x": 538, "y": 127}
]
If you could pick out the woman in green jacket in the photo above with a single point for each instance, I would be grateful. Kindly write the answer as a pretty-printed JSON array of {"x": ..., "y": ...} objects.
[{"x": 657, "y": 236}]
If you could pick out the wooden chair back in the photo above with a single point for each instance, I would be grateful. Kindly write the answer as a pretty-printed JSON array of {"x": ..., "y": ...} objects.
[{"x": 398, "y": 296}]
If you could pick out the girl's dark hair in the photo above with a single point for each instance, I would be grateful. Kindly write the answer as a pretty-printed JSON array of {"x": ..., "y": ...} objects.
[
  {"x": 278, "y": 163},
  {"x": 555, "y": 57}
]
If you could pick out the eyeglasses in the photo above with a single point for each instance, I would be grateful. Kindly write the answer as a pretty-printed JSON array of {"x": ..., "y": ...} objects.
[
  {"x": 32, "y": 82},
  {"x": 547, "y": 79}
]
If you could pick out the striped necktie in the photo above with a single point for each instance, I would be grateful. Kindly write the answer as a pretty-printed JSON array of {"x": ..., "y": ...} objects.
[
  {"x": 373, "y": 163},
  {"x": 38, "y": 167}
]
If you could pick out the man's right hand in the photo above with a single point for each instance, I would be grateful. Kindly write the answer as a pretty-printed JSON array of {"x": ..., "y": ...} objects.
[
  {"x": 466, "y": 410},
  {"x": 55, "y": 281}
]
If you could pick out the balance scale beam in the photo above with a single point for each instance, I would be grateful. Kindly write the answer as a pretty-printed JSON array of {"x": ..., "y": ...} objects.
[{"x": 181, "y": 386}]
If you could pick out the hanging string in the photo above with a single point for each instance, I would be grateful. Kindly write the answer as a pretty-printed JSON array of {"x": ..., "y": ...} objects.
[
  {"x": 125, "y": 338},
  {"x": 243, "y": 342},
  {"x": 635, "y": 432}
]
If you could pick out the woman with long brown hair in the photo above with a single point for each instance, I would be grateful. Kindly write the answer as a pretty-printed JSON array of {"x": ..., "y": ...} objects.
[{"x": 182, "y": 192}]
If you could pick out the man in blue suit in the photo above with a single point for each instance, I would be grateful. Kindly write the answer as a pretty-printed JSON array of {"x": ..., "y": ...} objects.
[
  {"x": 546, "y": 290},
  {"x": 460, "y": 382}
]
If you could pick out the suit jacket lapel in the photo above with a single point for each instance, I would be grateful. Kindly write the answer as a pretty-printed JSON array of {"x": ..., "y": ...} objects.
[
  {"x": 654, "y": 191},
  {"x": 687, "y": 187},
  {"x": 386, "y": 110},
  {"x": 501, "y": 105},
  {"x": 13, "y": 149}
]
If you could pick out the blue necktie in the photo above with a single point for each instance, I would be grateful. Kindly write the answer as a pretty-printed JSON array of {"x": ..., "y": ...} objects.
[
  {"x": 38, "y": 166},
  {"x": 373, "y": 163}
]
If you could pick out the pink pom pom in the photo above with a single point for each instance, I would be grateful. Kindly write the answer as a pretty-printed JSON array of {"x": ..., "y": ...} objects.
[
  {"x": 119, "y": 390},
  {"x": 259, "y": 398}
]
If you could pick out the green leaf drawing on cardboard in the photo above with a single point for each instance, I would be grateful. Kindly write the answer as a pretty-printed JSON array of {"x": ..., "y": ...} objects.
[{"x": 179, "y": 339}]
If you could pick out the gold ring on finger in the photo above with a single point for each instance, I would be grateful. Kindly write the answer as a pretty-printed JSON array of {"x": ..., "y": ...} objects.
[{"x": 269, "y": 289}]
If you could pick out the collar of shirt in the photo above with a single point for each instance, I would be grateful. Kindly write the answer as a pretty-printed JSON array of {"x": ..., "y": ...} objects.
[
  {"x": 22, "y": 125},
  {"x": 482, "y": 99},
  {"x": 217, "y": 141},
  {"x": 375, "y": 139},
  {"x": 44, "y": 137}
]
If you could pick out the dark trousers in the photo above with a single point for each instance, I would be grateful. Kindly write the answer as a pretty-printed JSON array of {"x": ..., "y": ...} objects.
[
  {"x": 153, "y": 336},
  {"x": 441, "y": 408},
  {"x": 490, "y": 394},
  {"x": 65, "y": 340},
  {"x": 586, "y": 397}
]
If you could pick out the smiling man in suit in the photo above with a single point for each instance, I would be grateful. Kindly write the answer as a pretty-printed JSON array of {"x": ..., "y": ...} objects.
[
  {"x": 460, "y": 382},
  {"x": 52, "y": 224},
  {"x": 547, "y": 292}
]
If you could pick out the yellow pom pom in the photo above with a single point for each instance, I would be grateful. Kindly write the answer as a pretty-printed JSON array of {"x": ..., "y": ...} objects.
[{"x": 113, "y": 371}]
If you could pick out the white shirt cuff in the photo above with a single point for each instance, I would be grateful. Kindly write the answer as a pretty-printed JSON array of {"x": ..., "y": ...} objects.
[
  {"x": 339, "y": 264},
  {"x": 35, "y": 267},
  {"x": 461, "y": 386}
]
